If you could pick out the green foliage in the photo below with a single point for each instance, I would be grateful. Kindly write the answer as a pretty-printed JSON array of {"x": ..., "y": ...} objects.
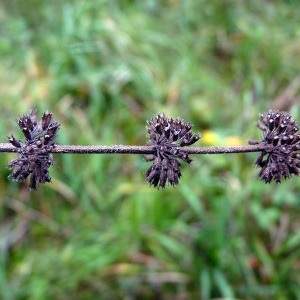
[{"x": 105, "y": 67}]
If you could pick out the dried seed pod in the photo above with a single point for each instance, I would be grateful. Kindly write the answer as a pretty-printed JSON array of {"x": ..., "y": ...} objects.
[
  {"x": 46, "y": 120},
  {"x": 32, "y": 182},
  {"x": 170, "y": 175},
  {"x": 35, "y": 151},
  {"x": 279, "y": 158},
  {"x": 52, "y": 129},
  {"x": 33, "y": 117},
  {"x": 27, "y": 133},
  {"x": 14, "y": 141},
  {"x": 168, "y": 136}
]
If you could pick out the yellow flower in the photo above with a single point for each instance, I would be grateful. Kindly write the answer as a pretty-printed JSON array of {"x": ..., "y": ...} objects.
[{"x": 210, "y": 138}]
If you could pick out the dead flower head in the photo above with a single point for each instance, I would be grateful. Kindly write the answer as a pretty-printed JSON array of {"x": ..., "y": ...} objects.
[
  {"x": 280, "y": 157},
  {"x": 35, "y": 151},
  {"x": 168, "y": 136}
]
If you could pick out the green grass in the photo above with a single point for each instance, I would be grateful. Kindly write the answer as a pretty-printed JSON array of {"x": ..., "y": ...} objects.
[{"x": 98, "y": 231}]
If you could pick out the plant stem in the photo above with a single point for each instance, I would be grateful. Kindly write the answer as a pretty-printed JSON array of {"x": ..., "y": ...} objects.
[
  {"x": 8, "y": 148},
  {"x": 121, "y": 149}
]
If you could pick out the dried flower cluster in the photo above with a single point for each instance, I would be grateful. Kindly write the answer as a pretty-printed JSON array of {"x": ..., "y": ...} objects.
[
  {"x": 280, "y": 157},
  {"x": 168, "y": 136},
  {"x": 279, "y": 148},
  {"x": 35, "y": 151}
]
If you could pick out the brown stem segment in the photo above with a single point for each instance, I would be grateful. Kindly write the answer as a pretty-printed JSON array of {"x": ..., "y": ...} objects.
[
  {"x": 8, "y": 148},
  {"x": 121, "y": 149},
  {"x": 117, "y": 149}
]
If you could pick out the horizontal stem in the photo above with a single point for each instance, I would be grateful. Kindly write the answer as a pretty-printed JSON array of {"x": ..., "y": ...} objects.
[
  {"x": 7, "y": 148},
  {"x": 224, "y": 150},
  {"x": 117, "y": 149},
  {"x": 121, "y": 149}
]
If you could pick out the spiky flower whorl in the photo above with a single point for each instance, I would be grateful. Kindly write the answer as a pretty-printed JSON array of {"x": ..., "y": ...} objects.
[
  {"x": 280, "y": 157},
  {"x": 168, "y": 136},
  {"x": 35, "y": 151}
]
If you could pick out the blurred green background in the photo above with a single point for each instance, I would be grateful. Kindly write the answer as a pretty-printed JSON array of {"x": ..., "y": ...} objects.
[{"x": 98, "y": 231}]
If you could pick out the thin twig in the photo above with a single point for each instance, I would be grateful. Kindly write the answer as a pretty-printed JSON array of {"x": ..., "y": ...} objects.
[
  {"x": 121, "y": 149},
  {"x": 8, "y": 148}
]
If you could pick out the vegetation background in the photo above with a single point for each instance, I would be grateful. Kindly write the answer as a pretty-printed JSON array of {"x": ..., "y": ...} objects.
[{"x": 104, "y": 67}]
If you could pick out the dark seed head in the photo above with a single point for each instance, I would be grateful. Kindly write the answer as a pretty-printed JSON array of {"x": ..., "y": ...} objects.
[
  {"x": 168, "y": 136},
  {"x": 35, "y": 151},
  {"x": 279, "y": 159}
]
